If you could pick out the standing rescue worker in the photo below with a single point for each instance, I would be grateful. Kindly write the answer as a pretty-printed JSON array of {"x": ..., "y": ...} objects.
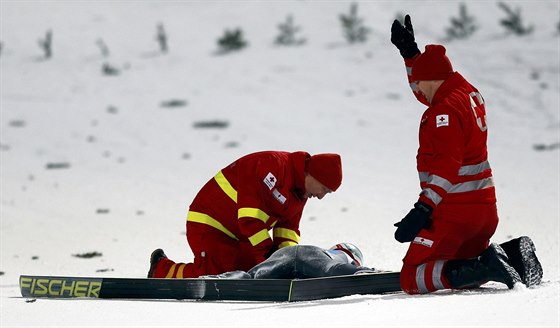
[
  {"x": 229, "y": 219},
  {"x": 451, "y": 224}
]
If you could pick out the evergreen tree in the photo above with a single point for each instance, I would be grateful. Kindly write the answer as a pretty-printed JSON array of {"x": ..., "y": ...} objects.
[
  {"x": 463, "y": 26},
  {"x": 513, "y": 21},
  {"x": 231, "y": 41},
  {"x": 161, "y": 38},
  {"x": 46, "y": 44},
  {"x": 352, "y": 26},
  {"x": 288, "y": 31}
]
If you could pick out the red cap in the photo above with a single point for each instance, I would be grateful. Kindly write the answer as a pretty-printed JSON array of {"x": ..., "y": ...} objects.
[
  {"x": 327, "y": 169},
  {"x": 432, "y": 65}
]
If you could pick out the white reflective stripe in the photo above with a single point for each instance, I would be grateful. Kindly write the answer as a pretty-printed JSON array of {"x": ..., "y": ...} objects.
[
  {"x": 420, "y": 272},
  {"x": 472, "y": 185},
  {"x": 474, "y": 169},
  {"x": 432, "y": 195},
  {"x": 463, "y": 170},
  {"x": 459, "y": 188},
  {"x": 408, "y": 70},
  {"x": 436, "y": 274},
  {"x": 440, "y": 182}
]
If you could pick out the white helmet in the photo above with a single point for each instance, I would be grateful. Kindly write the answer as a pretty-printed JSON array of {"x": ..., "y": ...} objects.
[{"x": 353, "y": 252}]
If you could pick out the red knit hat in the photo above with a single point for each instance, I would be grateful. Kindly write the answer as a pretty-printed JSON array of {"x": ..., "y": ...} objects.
[
  {"x": 432, "y": 65},
  {"x": 327, "y": 169}
]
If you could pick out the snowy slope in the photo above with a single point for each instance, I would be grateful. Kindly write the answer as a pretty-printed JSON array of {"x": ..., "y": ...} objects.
[{"x": 135, "y": 165}]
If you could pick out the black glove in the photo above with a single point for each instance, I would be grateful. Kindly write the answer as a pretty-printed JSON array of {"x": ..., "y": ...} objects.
[
  {"x": 417, "y": 219},
  {"x": 271, "y": 251},
  {"x": 403, "y": 38}
]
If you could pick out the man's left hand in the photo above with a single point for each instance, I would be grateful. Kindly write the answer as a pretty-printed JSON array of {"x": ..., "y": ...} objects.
[
  {"x": 417, "y": 219},
  {"x": 403, "y": 38}
]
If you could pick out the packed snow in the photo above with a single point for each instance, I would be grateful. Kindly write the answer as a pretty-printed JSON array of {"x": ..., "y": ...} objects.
[{"x": 103, "y": 153}]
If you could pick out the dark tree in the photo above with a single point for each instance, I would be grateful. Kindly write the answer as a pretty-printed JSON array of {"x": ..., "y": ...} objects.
[
  {"x": 231, "y": 41},
  {"x": 288, "y": 31},
  {"x": 463, "y": 26},
  {"x": 162, "y": 38},
  {"x": 353, "y": 26},
  {"x": 46, "y": 44},
  {"x": 513, "y": 21}
]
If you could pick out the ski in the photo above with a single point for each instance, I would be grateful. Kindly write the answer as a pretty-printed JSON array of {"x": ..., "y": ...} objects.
[
  {"x": 339, "y": 286},
  {"x": 211, "y": 289}
]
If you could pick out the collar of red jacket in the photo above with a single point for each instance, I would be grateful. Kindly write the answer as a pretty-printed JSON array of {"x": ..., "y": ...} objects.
[
  {"x": 453, "y": 82},
  {"x": 299, "y": 161}
]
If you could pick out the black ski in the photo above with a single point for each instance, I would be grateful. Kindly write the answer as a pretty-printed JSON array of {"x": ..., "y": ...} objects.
[
  {"x": 339, "y": 286},
  {"x": 276, "y": 290}
]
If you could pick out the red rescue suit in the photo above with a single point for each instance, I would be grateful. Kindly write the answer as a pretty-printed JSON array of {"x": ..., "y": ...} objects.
[
  {"x": 456, "y": 180},
  {"x": 229, "y": 219}
]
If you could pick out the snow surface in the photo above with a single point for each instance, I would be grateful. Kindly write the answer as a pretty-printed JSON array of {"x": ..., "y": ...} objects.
[{"x": 135, "y": 165}]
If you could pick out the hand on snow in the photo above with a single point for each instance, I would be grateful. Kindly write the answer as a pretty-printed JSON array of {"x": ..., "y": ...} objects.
[
  {"x": 403, "y": 38},
  {"x": 417, "y": 219}
]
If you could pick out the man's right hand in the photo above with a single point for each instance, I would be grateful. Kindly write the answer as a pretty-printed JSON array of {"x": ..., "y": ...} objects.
[
  {"x": 403, "y": 38},
  {"x": 417, "y": 219}
]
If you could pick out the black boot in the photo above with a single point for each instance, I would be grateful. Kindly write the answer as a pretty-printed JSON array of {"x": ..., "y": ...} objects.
[
  {"x": 491, "y": 265},
  {"x": 156, "y": 256},
  {"x": 522, "y": 257}
]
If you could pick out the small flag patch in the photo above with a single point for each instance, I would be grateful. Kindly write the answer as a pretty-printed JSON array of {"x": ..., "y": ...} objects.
[
  {"x": 442, "y": 120},
  {"x": 279, "y": 197},
  {"x": 270, "y": 180},
  {"x": 423, "y": 241}
]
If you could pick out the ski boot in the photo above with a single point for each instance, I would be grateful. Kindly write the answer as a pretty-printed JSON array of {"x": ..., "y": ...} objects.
[
  {"x": 522, "y": 257},
  {"x": 491, "y": 265}
]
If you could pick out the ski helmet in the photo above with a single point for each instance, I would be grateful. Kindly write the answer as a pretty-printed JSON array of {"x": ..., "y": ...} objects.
[{"x": 353, "y": 252}]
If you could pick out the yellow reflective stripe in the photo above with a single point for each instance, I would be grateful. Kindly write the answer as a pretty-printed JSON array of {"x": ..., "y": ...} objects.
[
  {"x": 259, "y": 237},
  {"x": 286, "y": 234},
  {"x": 290, "y": 292},
  {"x": 287, "y": 243},
  {"x": 226, "y": 186},
  {"x": 207, "y": 219},
  {"x": 252, "y": 213},
  {"x": 170, "y": 272},
  {"x": 180, "y": 271}
]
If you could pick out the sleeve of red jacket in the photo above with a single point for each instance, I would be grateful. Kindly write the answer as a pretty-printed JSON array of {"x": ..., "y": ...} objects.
[
  {"x": 408, "y": 62},
  {"x": 445, "y": 134},
  {"x": 286, "y": 232},
  {"x": 252, "y": 210}
]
